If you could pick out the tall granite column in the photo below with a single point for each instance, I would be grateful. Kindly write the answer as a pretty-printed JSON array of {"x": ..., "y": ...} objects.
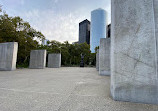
[
  {"x": 37, "y": 59},
  {"x": 8, "y": 56},
  {"x": 104, "y": 56},
  {"x": 97, "y": 60},
  {"x": 134, "y": 51}
]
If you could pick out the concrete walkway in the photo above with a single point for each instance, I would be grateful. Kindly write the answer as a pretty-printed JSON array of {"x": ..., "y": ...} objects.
[{"x": 64, "y": 89}]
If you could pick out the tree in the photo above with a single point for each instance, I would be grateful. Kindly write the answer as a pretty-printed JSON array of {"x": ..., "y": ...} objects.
[
  {"x": 14, "y": 29},
  {"x": 71, "y": 53},
  {"x": 96, "y": 49}
]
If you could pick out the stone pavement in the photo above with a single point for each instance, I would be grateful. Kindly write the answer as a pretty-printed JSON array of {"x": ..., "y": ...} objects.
[{"x": 64, "y": 89}]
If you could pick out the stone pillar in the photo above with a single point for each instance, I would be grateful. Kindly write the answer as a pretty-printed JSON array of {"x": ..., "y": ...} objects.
[
  {"x": 97, "y": 60},
  {"x": 54, "y": 60},
  {"x": 104, "y": 56},
  {"x": 134, "y": 51},
  {"x": 8, "y": 56},
  {"x": 37, "y": 59}
]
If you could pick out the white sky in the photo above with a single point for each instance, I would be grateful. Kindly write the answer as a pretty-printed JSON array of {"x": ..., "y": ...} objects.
[{"x": 56, "y": 19}]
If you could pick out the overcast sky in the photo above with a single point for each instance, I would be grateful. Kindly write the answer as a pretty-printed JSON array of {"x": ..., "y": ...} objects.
[{"x": 56, "y": 19}]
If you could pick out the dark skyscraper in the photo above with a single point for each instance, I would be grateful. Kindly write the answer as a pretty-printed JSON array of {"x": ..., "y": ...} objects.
[{"x": 84, "y": 32}]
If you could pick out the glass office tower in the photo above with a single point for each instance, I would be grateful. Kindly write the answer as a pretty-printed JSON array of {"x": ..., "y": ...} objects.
[{"x": 98, "y": 27}]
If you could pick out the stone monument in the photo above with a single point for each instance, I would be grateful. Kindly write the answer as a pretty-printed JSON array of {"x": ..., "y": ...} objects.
[
  {"x": 37, "y": 59},
  {"x": 8, "y": 56},
  {"x": 54, "y": 60},
  {"x": 104, "y": 57},
  {"x": 134, "y": 51},
  {"x": 97, "y": 60}
]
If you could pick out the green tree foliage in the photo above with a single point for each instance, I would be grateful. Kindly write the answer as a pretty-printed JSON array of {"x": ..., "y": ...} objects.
[
  {"x": 71, "y": 53},
  {"x": 96, "y": 49},
  {"x": 14, "y": 29}
]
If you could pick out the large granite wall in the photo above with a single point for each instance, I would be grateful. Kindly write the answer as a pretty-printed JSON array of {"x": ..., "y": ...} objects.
[{"x": 134, "y": 51}]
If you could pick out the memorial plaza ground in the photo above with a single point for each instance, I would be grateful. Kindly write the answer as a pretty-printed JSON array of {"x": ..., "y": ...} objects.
[{"x": 63, "y": 89}]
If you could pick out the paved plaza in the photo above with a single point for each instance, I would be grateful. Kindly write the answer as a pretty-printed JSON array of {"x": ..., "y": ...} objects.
[{"x": 63, "y": 89}]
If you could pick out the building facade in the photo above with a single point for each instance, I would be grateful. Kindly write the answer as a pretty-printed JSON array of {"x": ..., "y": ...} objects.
[
  {"x": 84, "y": 32},
  {"x": 45, "y": 42},
  {"x": 98, "y": 27}
]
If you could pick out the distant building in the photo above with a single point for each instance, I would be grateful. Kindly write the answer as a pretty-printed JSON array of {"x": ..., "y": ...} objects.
[
  {"x": 98, "y": 27},
  {"x": 45, "y": 42},
  {"x": 75, "y": 42},
  {"x": 84, "y": 32}
]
